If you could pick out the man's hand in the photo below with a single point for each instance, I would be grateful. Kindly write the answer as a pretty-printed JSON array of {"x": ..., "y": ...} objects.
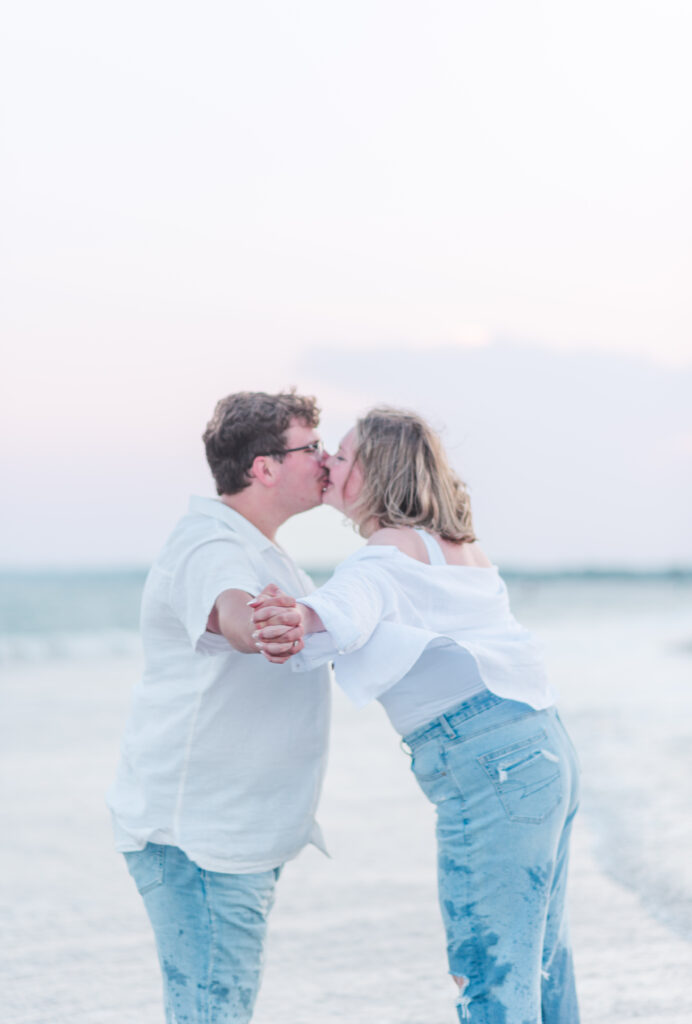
[{"x": 278, "y": 623}]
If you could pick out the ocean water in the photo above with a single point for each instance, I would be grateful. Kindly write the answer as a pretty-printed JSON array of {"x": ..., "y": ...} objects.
[
  {"x": 357, "y": 937},
  {"x": 67, "y": 613}
]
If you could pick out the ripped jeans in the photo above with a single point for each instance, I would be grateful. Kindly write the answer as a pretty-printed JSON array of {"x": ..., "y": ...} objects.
[
  {"x": 504, "y": 779},
  {"x": 209, "y": 928}
]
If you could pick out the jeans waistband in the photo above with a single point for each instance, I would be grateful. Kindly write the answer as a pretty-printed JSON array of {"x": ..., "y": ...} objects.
[{"x": 444, "y": 725}]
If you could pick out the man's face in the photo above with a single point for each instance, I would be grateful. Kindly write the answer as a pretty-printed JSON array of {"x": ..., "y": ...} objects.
[{"x": 302, "y": 473}]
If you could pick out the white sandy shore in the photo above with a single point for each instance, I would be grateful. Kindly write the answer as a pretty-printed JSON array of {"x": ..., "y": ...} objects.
[{"x": 354, "y": 939}]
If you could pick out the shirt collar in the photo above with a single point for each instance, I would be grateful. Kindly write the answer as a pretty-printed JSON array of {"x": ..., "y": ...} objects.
[{"x": 216, "y": 508}]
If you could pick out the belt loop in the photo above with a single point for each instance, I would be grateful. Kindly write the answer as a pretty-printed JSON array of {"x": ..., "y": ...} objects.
[
  {"x": 405, "y": 747},
  {"x": 446, "y": 727}
]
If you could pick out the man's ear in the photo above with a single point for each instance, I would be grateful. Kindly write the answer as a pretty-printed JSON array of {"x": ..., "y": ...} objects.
[{"x": 264, "y": 470}]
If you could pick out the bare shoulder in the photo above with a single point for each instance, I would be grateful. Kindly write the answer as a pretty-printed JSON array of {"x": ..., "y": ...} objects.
[
  {"x": 409, "y": 541},
  {"x": 468, "y": 554},
  {"x": 402, "y": 537}
]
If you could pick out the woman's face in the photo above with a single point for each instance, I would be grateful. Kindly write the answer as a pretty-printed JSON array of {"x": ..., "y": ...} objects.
[{"x": 345, "y": 476}]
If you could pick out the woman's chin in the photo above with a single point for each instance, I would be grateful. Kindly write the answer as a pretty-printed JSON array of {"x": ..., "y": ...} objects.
[{"x": 330, "y": 497}]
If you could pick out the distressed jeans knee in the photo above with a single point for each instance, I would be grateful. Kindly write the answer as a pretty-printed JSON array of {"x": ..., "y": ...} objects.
[{"x": 463, "y": 1001}]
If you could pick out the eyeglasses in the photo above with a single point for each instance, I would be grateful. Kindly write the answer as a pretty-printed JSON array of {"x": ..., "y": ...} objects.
[{"x": 315, "y": 448}]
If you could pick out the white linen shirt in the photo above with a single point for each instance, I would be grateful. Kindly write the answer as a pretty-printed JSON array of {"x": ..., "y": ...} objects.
[
  {"x": 381, "y": 609},
  {"x": 224, "y": 753}
]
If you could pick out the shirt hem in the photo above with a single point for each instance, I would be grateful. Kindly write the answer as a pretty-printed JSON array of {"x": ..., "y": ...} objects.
[{"x": 224, "y": 865}]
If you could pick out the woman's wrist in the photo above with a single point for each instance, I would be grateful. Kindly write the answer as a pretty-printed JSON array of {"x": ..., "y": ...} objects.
[{"x": 312, "y": 623}]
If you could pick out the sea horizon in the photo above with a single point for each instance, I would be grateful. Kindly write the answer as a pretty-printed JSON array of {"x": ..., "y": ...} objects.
[{"x": 625, "y": 570}]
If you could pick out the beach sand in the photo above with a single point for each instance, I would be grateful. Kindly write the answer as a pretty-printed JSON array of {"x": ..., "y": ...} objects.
[{"x": 353, "y": 938}]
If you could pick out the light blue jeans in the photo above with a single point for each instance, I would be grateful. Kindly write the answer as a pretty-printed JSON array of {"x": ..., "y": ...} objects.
[
  {"x": 504, "y": 779},
  {"x": 209, "y": 928}
]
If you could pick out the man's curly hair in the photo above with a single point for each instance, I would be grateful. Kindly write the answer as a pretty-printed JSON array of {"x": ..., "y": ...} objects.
[{"x": 248, "y": 424}]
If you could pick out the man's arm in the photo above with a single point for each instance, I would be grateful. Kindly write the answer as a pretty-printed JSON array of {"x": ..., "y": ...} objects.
[{"x": 232, "y": 618}]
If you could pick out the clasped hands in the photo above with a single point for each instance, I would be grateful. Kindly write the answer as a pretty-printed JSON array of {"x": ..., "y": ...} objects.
[{"x": 279, "y": 624}]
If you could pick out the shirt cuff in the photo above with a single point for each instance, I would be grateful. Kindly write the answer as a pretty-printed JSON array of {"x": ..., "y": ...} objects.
[
  {"x": 344, "y": 632},
  {"x": 318, "y": 650}
]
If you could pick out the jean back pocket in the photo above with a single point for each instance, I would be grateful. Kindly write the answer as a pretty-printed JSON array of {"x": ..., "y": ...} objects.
[{"x": 526, "y": 777}]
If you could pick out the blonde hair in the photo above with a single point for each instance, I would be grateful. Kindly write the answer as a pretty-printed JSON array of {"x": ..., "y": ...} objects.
[{"x": 407, "y": 480}]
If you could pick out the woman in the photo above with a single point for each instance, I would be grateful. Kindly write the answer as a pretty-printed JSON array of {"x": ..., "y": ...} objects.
[{"x": 419, "y": 619}]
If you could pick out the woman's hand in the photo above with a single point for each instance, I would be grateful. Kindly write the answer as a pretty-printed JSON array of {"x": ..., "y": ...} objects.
[{"x": 278, "y": 624}]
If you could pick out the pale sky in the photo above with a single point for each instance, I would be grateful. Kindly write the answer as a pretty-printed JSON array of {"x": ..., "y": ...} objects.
[{"x": 201, "y": 199}]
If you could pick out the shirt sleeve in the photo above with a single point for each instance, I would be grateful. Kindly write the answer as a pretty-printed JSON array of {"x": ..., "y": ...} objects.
[
  {"x": 350, "y": 605},
  {"x": 201, "y": 575}
]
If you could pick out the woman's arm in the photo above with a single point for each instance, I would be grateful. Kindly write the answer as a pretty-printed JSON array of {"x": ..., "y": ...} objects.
[{"x": 343, "y": 612}]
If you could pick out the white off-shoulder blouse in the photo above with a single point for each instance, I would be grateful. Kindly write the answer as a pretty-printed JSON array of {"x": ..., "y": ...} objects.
[{"x": 381, "y": 609}]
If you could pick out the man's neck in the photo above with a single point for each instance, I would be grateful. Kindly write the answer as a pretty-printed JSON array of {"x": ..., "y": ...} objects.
[{"x": 255, "y": 509}]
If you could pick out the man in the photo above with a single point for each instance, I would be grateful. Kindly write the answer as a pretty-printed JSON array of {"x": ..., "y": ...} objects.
[{"x": 224, "y": 752}]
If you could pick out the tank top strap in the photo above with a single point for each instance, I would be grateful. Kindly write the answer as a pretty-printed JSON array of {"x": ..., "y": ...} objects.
[{"x": 434, "y": 549}]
